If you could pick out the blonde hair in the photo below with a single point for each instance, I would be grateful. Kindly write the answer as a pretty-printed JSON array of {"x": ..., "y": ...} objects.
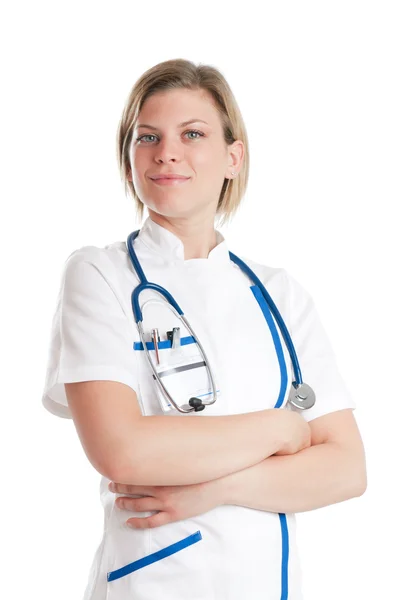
[{"x": 175, "y": 74}]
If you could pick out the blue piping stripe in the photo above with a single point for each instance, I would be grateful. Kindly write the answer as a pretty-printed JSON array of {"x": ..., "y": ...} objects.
[
  {"x": 165, "y": 344},
  {"x": 285, "y": 557},
  {"x": 282, "y": 365},
  {"x": 155, "y": 556},
  {"x": 277, "y": 342},
  {"x": 207, "y": 394}
]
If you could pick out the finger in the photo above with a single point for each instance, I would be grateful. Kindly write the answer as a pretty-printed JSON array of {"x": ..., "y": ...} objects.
[
  {"x": 139, "y": 504},
  {"x": 125, "y": 488},
  {"x": 161, "y": 518}
]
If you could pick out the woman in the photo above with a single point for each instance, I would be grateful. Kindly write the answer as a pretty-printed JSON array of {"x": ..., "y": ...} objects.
[{"x": 208, "y": 503}]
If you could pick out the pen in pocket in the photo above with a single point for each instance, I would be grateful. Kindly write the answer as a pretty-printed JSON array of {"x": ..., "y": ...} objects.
[
  {"x": 174, "y": 337},
  {"x": 155, "y": 339}
]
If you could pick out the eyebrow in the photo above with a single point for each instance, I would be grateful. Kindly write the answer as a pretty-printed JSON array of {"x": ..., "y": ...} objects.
[{"x": 183, "y": 124}]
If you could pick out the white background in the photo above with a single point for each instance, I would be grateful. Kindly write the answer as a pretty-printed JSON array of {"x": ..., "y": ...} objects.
[{"x": 317, "y": 86}]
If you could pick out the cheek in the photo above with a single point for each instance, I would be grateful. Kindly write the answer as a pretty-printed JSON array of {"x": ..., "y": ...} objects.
[
  {"x": 139, "y": 164},
  {"x": 204, "y": 157},
  {"x": 209, "y": 169},
  {"x": 140, "y": 167},
  {"x": 209, "y": 159}
]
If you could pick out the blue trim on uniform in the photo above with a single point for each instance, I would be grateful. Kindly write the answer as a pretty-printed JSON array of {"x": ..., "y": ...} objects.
[
  {"x": 165, "y": 344},
  {"x": 285, "y": 557},
  {"x": 206, "y": 394},
  {"x": 277, "y": 342},
  {"x": 155, "y": 556},
  {"x": 282, "y": 365}
]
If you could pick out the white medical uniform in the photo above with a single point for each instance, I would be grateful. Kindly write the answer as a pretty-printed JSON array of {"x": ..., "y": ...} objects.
[{"x": 239, "y": 553}]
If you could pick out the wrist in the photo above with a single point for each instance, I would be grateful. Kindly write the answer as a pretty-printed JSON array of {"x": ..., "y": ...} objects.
[
  {"x": 224, "y": 488},
  {"x": 219, "y": 489}
]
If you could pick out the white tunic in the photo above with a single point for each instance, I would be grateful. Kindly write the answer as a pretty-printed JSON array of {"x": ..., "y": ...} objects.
[{"x": 230, "y": 552}]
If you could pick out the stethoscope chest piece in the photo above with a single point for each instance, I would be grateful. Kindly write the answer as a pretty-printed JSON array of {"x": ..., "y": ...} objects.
[{"x": 301, "y": 396}]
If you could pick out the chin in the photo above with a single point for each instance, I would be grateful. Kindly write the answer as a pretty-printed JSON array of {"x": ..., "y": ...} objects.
[{"x": 165, "y": 209}]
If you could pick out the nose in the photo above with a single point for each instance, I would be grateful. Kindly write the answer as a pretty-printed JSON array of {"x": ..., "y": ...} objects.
[{"x": 168, "y": 150}]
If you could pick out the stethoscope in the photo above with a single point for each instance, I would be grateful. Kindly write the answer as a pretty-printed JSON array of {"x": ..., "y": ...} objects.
[{"x": 301, "y": 395}]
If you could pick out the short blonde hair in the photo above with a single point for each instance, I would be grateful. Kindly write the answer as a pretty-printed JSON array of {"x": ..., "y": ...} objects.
[{"x": 175, "y": 74}]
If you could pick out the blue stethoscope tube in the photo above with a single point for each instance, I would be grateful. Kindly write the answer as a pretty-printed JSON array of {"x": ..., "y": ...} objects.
[{"x": 301, "y": 395}]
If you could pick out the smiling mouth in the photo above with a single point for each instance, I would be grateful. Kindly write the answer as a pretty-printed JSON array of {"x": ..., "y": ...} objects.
[
  {"x": 170, "y": 180},
  {"x": 168, "y": 177}
]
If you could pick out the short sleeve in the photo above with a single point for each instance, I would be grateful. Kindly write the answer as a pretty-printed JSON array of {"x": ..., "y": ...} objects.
[
  {"x": 316, "y": 357},
  {"x": 91, "y": 336}
]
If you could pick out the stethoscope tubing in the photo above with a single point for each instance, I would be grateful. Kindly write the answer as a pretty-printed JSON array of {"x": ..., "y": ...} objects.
[
  {"x": 145, "y": 284},
  {"x": 158, "y": 379},
  {"x": 299, "y": 388},
  {"x": 276, "y": 314}
]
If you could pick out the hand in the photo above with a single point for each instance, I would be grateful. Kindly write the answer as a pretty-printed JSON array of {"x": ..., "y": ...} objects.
[
  {"x": 297, "y": 433},
  {"x": 173, "y": 503}
]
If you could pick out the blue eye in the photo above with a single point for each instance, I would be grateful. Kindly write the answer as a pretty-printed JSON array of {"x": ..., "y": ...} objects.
[{"x": 200, "y": 134}]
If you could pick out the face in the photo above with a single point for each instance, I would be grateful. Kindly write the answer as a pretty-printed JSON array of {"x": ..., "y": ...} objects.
[{"x": 196, "y": 150}]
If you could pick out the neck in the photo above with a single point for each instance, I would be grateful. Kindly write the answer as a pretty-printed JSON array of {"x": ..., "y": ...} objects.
[{"x": 198, "y": 235}]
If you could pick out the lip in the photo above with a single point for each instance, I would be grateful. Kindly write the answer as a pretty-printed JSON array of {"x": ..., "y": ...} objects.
[
  {"x": 170, "y": 181},
  {"x": 168, "y": 176}
]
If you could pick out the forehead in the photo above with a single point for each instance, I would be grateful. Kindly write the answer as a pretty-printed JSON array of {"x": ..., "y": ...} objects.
[{"x": 177, "y": 107}]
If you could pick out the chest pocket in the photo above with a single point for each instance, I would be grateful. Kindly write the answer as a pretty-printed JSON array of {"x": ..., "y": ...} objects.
[
  {"x": 244, "y": 347},
  {"x": 182, "y": 369}
]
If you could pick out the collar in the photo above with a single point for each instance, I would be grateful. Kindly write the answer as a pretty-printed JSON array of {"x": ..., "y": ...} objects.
[{"x": 163, "y": 242}]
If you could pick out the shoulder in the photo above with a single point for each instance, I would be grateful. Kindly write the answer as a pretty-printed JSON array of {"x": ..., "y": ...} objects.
[
  {"x": 105, "y": 259},
  {"x": 97, "y": 271},
  {"x": 287, "y": 292},
  {"x": 97, "y": 254},
  {"x": 282, "y": 277},
  {"x": 268, "y": 274}
]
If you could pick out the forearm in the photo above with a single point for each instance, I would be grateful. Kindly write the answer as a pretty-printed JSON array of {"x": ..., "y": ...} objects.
[
  {"x": 314, "y": 477},
  {"x": 180, "y": 450}
]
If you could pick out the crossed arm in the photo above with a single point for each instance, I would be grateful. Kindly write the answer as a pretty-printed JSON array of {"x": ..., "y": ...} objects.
[{"x": 332, "y": 470}]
